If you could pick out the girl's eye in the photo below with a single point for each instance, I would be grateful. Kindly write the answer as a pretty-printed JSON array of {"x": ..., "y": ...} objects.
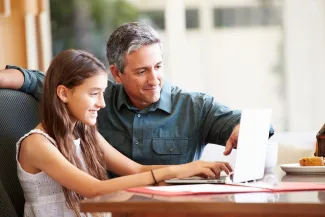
[{"x": 93, "y": 94}]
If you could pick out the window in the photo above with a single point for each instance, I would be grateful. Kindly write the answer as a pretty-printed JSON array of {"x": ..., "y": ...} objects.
[
  {"x": 154, "y": 18},
  {"x": 192, "y": 18},
  {"x": 247, "y": 16}
]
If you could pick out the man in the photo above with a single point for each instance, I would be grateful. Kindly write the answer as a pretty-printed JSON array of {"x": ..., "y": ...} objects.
[{"x": 146, "y": 119}]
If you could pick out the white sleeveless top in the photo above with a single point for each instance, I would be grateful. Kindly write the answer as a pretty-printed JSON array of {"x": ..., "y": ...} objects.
[{"x": 43, "y": 195}]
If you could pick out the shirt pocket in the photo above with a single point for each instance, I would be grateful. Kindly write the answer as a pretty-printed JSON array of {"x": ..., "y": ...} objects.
[{"x": 170, "y": 150}]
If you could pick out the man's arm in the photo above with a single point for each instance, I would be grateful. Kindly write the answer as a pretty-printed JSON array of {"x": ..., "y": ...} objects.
[
  {"x": 218, "y": 121},
  {"x": 221, "y": 126},
  {"x": 11, "y": 79},
  {"x": 28, "y": 81}
]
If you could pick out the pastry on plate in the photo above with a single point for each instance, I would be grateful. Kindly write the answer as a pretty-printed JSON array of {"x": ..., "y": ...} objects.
[{"x": 311, "y": 161}]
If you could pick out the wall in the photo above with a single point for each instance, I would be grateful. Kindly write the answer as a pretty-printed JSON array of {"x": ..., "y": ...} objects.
[
  {"x": 304, "y": 63},
  {"x": 25, "y": 34}
]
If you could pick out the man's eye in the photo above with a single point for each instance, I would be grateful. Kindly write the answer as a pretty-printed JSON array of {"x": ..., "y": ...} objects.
[
  {"x": 140, "y": 72},
  {"x": 93, "y": 94}
]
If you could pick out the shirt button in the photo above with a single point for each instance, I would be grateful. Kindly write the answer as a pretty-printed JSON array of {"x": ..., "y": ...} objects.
[
  {"x": 136, "y": 143},
  {"x": 138, "y": 115}
]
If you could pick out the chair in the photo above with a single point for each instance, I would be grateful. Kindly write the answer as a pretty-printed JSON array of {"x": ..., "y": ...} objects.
[
  {"x": 18, "y": 115},
  {"x": 6, "y": 207}
]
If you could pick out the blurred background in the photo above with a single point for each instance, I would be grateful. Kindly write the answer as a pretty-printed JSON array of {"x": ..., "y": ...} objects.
[{"x": 245, "y": 53}]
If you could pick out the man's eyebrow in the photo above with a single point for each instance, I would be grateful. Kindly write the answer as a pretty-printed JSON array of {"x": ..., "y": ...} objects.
[
  {"x": 145, "y": 67},
  {"x": 138, "y": 68}
]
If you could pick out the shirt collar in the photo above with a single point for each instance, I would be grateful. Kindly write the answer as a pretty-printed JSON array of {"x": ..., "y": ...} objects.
[
  {"x": 164, "y": 103},
  {"x": 122, "y": 98}
]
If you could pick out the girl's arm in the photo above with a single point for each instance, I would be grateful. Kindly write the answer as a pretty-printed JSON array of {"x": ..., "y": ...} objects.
[
  {"x": 38, "y": 154},
  {"x": 121, "y": 165},
  {"x": 42, "y": 155}
]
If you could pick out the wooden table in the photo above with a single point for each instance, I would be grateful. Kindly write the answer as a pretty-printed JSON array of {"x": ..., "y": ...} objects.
[{"x": 297, "y": 204}]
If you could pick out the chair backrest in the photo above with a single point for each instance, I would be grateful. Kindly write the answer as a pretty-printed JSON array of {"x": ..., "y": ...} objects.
[
  {"x": 6, "y": 207},
  {"x": 19, "y": 113}
]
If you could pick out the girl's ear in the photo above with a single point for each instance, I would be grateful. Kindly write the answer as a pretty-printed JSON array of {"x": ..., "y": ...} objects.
[{"x": 62, "y": 92}]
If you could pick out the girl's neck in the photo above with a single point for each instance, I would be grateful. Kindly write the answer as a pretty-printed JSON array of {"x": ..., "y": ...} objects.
[{"x": 40, "y": 127}]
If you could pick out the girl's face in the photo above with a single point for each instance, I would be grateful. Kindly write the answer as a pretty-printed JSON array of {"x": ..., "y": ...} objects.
[{"x": 85, "y": 100}]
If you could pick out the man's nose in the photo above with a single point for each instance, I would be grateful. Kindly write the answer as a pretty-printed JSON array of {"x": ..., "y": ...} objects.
[{"x": 153, "y": 78}]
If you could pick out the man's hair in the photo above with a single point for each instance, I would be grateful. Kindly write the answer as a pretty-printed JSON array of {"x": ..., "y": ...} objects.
[
  {"x": 71, "y": 68},
  {"x": 127, "y": 38}
]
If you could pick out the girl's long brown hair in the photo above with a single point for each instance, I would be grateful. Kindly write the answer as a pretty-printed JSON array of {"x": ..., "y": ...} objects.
[{"x": 70, "y": 68}]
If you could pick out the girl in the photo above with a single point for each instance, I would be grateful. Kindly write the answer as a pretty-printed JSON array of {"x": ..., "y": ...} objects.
[{"x": 64, "y": 159}]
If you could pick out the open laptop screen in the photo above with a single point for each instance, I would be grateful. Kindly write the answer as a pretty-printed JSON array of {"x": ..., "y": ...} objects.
[{"x": 252, "y": 144}]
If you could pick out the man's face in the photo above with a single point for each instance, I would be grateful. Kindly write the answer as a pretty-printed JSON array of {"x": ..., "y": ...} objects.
[{"x": 143, "y": 75}]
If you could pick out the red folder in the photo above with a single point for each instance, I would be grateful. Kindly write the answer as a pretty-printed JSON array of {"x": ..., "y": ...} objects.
[{"x": 174, "y": 190}]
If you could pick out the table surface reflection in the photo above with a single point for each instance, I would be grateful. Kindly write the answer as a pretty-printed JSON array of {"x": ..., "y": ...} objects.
[{"x": 301, "y": 203}]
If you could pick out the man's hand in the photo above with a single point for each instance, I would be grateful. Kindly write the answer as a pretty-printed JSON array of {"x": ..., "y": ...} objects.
[
  {"x": 232, "y": 141},
  {"x": 11, "y": 79}
]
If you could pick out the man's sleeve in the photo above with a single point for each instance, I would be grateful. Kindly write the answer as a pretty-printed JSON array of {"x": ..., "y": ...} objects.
[
  {"x": 218, "y": 121},
  {"x": 33, "y": 81}
]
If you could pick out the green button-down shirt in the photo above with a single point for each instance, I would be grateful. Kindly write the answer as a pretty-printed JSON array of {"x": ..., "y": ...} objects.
[{"x": 172, "y": 131}]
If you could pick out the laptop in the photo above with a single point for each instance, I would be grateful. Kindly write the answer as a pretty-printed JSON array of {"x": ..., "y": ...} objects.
[{"x": 251, "y": 150}]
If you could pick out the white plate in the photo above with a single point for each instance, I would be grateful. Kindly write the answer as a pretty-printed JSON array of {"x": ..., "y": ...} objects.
[{"x": 295, "y": 168}]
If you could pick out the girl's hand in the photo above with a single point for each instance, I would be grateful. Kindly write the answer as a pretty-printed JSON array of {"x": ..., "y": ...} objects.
[{"x": 202, "y": 168}]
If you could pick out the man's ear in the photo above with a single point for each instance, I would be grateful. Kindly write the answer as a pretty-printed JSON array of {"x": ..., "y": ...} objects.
[
  {"x": 116, "y": 74},
  {"x": 62, "y": 92}
]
